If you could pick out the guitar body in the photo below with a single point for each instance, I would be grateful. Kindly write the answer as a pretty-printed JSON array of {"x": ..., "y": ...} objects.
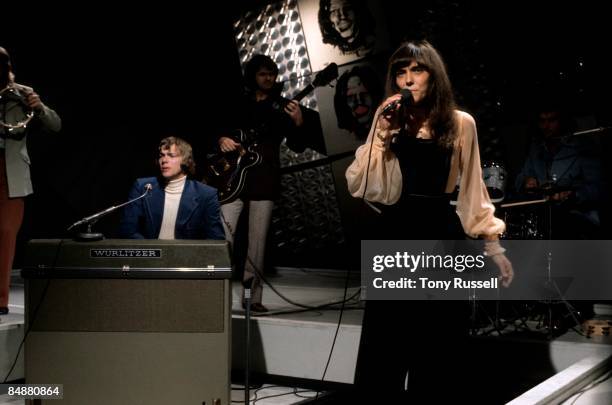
[{"x": 227, "y": 172}]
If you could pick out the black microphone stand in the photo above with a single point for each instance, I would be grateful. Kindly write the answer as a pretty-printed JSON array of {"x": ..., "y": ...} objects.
[
  {"x": 247, "y": 298},
  {"x": 89, "y": 236}
]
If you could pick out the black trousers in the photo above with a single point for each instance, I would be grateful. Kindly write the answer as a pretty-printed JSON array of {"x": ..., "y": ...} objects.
[
  {"x": 421, "y": 339},
  {"x": 412, "y": 351}
]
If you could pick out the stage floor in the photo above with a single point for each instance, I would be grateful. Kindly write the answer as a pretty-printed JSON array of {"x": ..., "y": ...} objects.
[
  {"x": 288, "y": 341},
  {"x": 294, "y": 343}
]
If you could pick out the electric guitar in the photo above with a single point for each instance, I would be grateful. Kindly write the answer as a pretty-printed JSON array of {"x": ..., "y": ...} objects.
[{"x": 227, "y": 172}]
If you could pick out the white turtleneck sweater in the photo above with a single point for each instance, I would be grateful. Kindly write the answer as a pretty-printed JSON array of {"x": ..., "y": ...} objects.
[{"x": 173, "y": 191}]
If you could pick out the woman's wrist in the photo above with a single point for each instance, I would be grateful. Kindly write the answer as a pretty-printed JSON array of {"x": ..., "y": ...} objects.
[
  {"x": 382, "y": 134},
  {"x": 492, "y": 247},
  {"x": 381, "y": 138}
]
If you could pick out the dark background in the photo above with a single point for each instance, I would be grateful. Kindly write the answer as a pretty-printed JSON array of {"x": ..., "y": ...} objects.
[{"x": 123, "y": 78}]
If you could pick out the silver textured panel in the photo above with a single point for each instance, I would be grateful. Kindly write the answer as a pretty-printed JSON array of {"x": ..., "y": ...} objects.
[
  {"x": 306, "y": 216},
  {"x": 276, "y": 31}
]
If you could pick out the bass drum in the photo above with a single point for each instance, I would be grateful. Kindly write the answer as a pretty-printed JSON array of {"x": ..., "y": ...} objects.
[{"x": 494, "y": 177}]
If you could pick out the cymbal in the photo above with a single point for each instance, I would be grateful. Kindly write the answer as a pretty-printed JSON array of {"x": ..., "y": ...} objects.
[
  {"x": 592, "y": 131},
  {"x": 520, "y": 203},
  {"x": 537, "y": 195},
  {"x": 549, "y": 189}
]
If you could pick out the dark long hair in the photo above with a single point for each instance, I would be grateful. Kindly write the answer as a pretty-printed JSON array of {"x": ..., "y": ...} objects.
[{"x": 439, "y": 98}]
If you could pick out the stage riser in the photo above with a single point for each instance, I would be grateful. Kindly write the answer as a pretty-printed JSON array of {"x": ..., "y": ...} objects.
[{"x": 296, "y": 349}]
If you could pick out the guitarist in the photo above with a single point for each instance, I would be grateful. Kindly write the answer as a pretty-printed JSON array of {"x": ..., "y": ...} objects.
[{"x": 268, "y": 118}]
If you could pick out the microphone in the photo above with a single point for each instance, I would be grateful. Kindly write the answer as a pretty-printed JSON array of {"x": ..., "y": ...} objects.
[
  {"x": 93, "y": 218},
  {"x": 405, "y": 101}
]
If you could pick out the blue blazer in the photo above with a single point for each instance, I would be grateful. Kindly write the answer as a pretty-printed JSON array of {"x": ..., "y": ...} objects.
[{"x": 197, "y": 217}]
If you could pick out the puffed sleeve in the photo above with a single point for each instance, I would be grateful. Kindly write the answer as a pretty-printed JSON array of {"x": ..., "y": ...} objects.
[
  {"x": 375, "y": 173},
  {"x": 474, "y": 206}
]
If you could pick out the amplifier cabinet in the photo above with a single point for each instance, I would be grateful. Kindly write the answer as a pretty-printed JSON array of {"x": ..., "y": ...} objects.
[{"x": 133, "y": 340}]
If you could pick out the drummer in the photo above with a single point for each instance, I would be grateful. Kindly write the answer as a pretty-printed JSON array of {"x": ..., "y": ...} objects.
[{"x": 567, "y": 170}]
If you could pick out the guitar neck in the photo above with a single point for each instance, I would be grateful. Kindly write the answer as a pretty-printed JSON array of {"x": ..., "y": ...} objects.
[{"x": 304, "y": 92}]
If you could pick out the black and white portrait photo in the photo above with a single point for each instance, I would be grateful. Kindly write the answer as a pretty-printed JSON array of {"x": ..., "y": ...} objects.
[{"x": 340, "y": 31}]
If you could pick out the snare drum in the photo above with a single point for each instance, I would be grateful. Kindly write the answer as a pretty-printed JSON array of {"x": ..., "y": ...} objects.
[{"x": 494, "y": 177}]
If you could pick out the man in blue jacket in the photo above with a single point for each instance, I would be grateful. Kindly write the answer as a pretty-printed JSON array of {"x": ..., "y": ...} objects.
[{"x": 176, "y": 207}]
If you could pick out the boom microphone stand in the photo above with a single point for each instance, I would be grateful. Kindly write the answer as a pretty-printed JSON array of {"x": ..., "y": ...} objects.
[{"x": 92, "y": 219}]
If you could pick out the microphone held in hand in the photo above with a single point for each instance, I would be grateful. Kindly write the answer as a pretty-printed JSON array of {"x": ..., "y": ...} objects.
[{"x": 406, "y": 100}]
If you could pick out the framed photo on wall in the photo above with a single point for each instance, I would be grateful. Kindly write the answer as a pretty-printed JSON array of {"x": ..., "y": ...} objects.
[
  {"x": 348, "y": 108},
  {"x": 341, "y": 31}
]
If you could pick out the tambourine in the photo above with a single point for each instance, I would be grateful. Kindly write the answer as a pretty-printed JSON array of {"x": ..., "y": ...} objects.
[{"x": 9, "y": 94}]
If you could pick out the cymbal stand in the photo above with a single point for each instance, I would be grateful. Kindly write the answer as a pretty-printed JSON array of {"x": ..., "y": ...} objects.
[
  {"x": 550, "y": 283},
  {"x": 476, "y": 308}
]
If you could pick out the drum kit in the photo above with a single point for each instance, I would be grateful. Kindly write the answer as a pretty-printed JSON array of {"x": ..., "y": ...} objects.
[
  {"x": 522, "y": 222},
  {"x": 526, "y": 218},
  {"x": 530, "y": 218}
]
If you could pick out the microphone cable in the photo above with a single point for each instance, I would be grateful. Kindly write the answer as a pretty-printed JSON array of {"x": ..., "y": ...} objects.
[
  {"x": 304, "y": 307},
  {"x": 406, "y": 96},
  {"x": 309, "y": 308},
  {"x": 333, "y": 345},
  {"x": 259, "y": 273}
]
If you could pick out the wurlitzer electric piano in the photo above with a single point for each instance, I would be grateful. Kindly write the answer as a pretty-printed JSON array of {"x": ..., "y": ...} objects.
[{"x": 129, "y": 321}]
